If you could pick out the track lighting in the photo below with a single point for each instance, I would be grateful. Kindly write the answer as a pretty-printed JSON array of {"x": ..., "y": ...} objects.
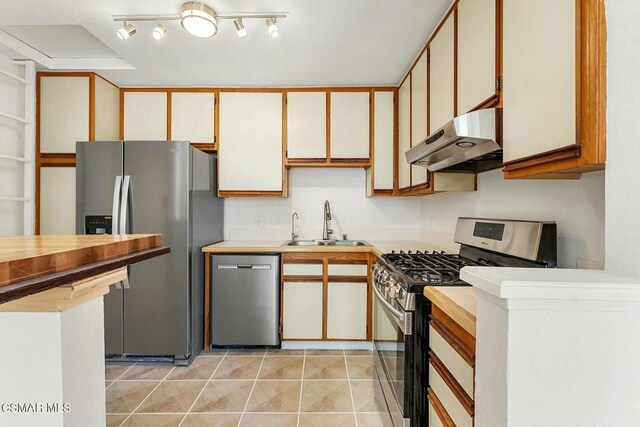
[
  {"x": 198, "y": 19},
  {"x": 242, "y": 32},
  {"x": 126, "y": 31},
  {"x": 158, "y": 31},
  {"x": 272, "y": 27}
]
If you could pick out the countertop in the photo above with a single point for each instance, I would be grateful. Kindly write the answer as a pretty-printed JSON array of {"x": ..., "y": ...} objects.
[
  {"x": 458, "y": 302},
  {"x": 26, "y": 257},
  {"x": 378, "y": 247}
]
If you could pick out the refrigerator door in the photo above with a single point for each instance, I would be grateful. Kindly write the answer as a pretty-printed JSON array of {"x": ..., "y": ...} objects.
[
  {"x": 99, "y": 167},
  {"x": 156, "y": 306}
]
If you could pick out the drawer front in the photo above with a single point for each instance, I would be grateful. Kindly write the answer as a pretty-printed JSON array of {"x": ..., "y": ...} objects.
[
  {"x": 434, "y": 419},
  {"x": 302, "y": 269},
  {"x": 348, "y": 270},
  {"x": 459, "y": 368},
  {"x": 449, "y": 401}
]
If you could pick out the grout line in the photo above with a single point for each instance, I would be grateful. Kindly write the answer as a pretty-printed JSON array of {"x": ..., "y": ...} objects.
[
  {"x": 246, "y": 405},
  {"x": 145, "y": 399},
  {"x": 304, "y": 362},
  {"x": 224, "y": 356},
  {"x": 353, "y": 404}
]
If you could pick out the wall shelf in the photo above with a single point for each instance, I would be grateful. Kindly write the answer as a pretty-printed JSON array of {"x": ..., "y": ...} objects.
[
  {"x": 14, "y": 158},
  {"x": 14, "y": 77},
  {"x": 16, "y": 118}
]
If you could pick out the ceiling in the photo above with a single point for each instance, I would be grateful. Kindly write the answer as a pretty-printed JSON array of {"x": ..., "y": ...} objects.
[{"x": 321, "y": 43}]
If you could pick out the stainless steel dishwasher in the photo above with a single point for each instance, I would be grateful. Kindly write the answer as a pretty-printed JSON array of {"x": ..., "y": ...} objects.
[{"x": 245, "y": 300}]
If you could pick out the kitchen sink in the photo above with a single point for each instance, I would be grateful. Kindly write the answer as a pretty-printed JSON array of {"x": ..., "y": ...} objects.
[
  {"x": 351, "y": 243},
  {"x": 302, "y": 243}
]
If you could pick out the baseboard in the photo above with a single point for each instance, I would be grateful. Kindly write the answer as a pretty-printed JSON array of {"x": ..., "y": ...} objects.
[{"x": 327, "y": 345}]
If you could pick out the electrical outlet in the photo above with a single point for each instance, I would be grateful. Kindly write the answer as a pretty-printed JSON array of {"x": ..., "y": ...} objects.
[{"x": 260, "y": 222}]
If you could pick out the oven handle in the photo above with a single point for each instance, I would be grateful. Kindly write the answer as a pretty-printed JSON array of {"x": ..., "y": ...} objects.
[{"x": 404, "y": 320}]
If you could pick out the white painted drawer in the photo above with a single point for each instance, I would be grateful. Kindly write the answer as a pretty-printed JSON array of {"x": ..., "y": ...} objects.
[
  {"x": 302, "y": 269},
  {"x": 347, "y": 269},
  {"x": 449, "y": 401},
  {"x": 434, "y": 419},
  {"x": 459, "y": 368}
]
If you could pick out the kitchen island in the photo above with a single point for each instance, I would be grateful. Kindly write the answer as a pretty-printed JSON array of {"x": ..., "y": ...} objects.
[{"x": 52, "y": 323}]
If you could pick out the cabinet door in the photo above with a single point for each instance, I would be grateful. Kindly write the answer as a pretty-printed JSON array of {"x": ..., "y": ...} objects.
[
  {"x": 64, "y": 113},
  {"x": 404, "y": 133},
  {"x": 145, "y": 116},
  {"x": 302, "y": 310},
  {"x": 383, "y": 141},
  {"x": 349, "y": 125},
  {"x": 476, "y": 53},
  {"x": 441, "y": 76},
  {"x": 107, "y": 110},
  {"x": 250, "y": 146},
  {"x": 58, "y": 201},
  {"x": 307, "y": 125},
  {"x": 192, "y": 116},
  {"x": 347, "y": 311},
  {"x": 539, "y": 112},
  {"x": 419, "y": 114}
]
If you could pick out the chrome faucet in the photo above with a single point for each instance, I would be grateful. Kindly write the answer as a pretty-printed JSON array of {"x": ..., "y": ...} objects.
[
  {"x": 294, "y": 235},
  {"x": 326, "y": 231}
]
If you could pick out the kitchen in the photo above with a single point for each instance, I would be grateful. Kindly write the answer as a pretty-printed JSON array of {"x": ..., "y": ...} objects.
[{"x": 269, "y": 265}]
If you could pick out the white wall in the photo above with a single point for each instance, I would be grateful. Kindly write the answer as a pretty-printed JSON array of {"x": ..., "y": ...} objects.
[
  {"x": 353, "y": 213},
  {"x": 576, "y": 205},
  {"x": 623, "y": 138}
]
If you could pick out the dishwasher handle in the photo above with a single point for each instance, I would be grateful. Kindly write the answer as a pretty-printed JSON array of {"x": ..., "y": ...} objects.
[{"x": 244, "y": 266}]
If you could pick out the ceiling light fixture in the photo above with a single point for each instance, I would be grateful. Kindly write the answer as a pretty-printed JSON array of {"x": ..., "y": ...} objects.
[
  {"x": 158, "y": 31},
  {"x": 240, "y": 30},
  {"x": 126, "y": 31},
  {"x": 272, "y": 27},
  {"x": 198, "y": 19}
]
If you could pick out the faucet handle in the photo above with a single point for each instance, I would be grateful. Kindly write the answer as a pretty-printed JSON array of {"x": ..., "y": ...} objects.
[{"x": 345, "y": 237}]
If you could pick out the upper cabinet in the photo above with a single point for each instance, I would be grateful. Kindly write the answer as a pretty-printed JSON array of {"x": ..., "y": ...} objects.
[
  {"x": 107, "y": 110},
  {"x": 350, "y": 132},
  {"x": 554, "y": 87},
  {"x": 381, "y": 174},
  {"x": 477, "y": 42},
  {"x": 404, "y": 133},
  {"x": 419, "y": 116},
  {"x": 250, "y": 144},
  {"x": 307, "y": 125},
  {"x": 145, "y": 115},
  {"x": 192, "y": 117},
  {"x": 442, "y": 75}
]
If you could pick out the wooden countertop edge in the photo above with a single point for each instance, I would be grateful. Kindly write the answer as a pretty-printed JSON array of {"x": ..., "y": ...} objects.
[
  {"x": 454, "y": 310},
  {"x": 34, "y": 285},
  {"x": 62, "y": 259}
]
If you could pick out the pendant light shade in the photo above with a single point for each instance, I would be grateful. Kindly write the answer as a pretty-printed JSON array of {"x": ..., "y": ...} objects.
[{"x": 198, "y": 19}]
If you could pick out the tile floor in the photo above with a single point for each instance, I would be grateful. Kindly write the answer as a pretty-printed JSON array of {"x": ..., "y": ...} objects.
[{"x": 249, "y": 388}]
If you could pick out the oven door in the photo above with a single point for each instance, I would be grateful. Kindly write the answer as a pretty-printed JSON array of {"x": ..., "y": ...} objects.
[{"x": 392, "y": 335}]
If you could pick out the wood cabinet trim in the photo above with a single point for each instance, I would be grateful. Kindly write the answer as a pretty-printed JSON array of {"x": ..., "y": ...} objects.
[
  {"x": 452, "y": 384},
  {"x": 467, "y": 340},
  {"x": 568, "y": 152},
  {"x": 456, "y": 343},
  {"x": 439, "y": 409}
]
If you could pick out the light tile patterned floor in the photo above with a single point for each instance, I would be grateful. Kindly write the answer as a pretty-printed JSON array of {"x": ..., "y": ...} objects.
[{"x": 249, "y": 388}]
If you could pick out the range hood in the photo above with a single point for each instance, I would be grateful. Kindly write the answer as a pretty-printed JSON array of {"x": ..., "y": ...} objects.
[{"x": 468, "y": 142}]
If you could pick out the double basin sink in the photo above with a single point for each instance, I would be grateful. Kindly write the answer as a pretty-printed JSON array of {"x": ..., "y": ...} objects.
[{"x": 325, "y": 243}]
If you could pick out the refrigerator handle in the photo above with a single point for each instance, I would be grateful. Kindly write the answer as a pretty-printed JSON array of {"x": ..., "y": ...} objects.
[
  {"x": 115, "y": 226},
  {"x": 124, "y": 204}
]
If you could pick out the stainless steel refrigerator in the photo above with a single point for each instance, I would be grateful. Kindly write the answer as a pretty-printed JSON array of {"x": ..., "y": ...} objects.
[{"x": 149, "y": 187}]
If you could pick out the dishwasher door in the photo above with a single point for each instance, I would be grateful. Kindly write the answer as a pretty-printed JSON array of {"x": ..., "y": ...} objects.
[{"x": 245, "y": 300}]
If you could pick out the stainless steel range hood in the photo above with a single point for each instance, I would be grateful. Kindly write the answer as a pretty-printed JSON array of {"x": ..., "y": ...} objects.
[{"x": 468, "y": 142}]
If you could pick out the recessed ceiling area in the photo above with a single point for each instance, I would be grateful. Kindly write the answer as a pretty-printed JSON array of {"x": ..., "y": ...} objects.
[{"x": 321, "y": 43}]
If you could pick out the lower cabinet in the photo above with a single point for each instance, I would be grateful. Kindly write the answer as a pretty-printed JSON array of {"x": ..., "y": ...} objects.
[{"x": 326, "y": 297}]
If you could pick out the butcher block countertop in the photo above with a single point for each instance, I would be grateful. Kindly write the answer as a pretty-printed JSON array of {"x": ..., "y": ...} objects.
[
  {"x": 25, "y": 259},
  {"x": 457, "y": 302}
]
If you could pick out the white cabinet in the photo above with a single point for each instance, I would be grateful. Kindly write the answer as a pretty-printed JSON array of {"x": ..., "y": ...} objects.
[
  {"x": 383, "y": 113},
  {"x": 419, "y": 114},
  {"x": 349, "y": 125},
  {"x": 306, "y": 125},
  {"x": 302, "y": 310},
  {"x": 192, "y": 116},
  {"x": 107, "y": 110},
  {"x": 64, "y": 113},
  {"x": 347, "y": 310},
  {"x": 441, "y": 76},
  {"x": 58, "y": 201},
  {"x": 145, "y": 116},
  {"x": 404, "y": 133},
  {"x": 539, "y": 112},
  {"x": 250, "y": 146},
  {"x": 476, "y": 53}
]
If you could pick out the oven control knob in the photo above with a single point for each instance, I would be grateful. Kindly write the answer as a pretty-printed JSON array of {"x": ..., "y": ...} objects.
[
  {"x": 393, "y": 292},
  {"x": 400, "y": 293}
]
